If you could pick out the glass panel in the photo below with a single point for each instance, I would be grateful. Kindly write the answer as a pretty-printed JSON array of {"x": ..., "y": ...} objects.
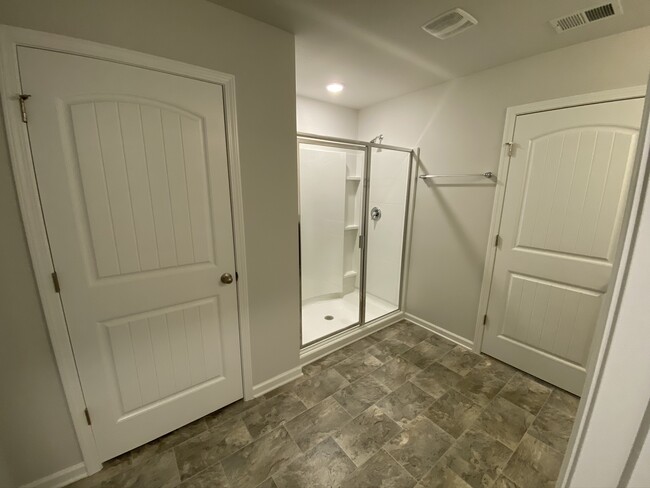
[
  {"x": 330, "y": 212},
  {"x": 389, "y": 174}
]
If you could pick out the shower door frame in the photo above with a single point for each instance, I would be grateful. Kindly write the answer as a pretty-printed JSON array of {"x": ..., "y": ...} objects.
[{"x": 366, "y": 147}]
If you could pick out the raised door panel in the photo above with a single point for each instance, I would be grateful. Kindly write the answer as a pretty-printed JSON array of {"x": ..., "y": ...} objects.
[
  {"x": 572, "y": 201},
  {"x": 551, "y": 317},
  {"x": 165, "y": 352},
  {"x": 143, "y": 173}
]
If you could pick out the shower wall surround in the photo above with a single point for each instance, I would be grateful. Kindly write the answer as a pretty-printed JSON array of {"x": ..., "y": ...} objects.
[{"x": 329, "y": 221}]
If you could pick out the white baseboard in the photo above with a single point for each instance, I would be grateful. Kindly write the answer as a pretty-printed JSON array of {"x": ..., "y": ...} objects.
[
  {"x": 439, "y": 331},
  {"x": 60, "y": 478},
  {"x": 316, "y": 351},
  {"x": 279, "y": 380}
]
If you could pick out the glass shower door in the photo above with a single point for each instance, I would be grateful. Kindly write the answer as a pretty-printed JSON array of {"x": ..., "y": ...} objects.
[
  {"x": 330, "y": 188},
  {"x": 386, "y": 218}
]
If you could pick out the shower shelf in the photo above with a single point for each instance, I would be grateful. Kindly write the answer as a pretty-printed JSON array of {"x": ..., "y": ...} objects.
[
  {"x": 352, "y": 227},
  {"x": 349, "y": 274},
  {"x": 353, "y": 178}
]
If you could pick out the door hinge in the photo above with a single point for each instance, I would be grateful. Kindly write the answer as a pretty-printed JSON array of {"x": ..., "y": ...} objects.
[
  {"x": 484, "y": 319},
  {"x": 496, "y": 241},
  {"x": 55, "y": 281},
  {"x": 87, "y": 414},
  {"x": 509, "y": 145},
  {"x": 360, "y": 242},
  {"x": 22, "y": 98}
]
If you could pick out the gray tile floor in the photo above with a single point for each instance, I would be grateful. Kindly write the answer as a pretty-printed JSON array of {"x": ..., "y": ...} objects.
[{"x": 399, "y": 409}]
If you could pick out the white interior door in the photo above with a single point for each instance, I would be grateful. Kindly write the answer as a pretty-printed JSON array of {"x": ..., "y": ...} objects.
[
  {"x": 564, "y": 201},
  {"x": 132, "y": 171}
]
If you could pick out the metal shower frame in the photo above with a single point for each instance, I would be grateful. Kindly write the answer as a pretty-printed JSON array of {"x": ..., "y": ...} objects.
[{"x": 366, "y": 147}]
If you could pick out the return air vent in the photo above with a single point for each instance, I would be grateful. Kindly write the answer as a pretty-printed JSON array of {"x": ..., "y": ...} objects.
[
  {"x": 587, "y": 16},
  {"x": 449, "y": 24}
]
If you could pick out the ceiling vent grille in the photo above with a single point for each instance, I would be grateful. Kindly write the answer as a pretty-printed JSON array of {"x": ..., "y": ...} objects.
[
  {"x": 587, "y": 16},
  {"x": 449, "y": 24}
]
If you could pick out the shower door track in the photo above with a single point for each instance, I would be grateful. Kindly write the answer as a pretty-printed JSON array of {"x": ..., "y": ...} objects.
[
  {"x": 340, "y": 142},
  {"x": 306, "y": 137}
]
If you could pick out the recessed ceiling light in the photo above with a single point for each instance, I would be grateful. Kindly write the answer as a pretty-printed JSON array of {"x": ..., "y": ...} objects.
[{"x": 334, "y": 88}]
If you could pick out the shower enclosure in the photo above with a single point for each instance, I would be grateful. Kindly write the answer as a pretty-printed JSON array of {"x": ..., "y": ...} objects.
[{"x": 354, "y": 199}]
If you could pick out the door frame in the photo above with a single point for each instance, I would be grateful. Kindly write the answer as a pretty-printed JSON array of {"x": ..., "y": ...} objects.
[
  {"x": 600, "y": 347},
  {"x": 30, "y": 206},
  {"x": 512, "y": 113}
]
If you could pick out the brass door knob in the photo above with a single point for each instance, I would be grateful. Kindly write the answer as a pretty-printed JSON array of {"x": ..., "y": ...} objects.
[{"x": 226, "y": 278}]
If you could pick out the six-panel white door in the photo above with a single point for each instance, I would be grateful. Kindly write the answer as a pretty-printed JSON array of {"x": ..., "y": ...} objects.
[
  {"x": 564, "y": 201},
  {"x": 132, "y": 172}
]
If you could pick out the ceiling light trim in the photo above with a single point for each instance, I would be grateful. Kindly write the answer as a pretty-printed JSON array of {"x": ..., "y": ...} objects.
[{"x": 335, "y": 87}]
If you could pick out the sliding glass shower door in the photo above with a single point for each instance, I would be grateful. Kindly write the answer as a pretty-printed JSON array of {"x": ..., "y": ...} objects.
[
  {"x": 331, "y": 193},
  {"x": 353, "y": 207}
]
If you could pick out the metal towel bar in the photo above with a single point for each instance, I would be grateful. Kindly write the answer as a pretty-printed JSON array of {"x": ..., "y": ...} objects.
[{"x": 487, "y": 174}]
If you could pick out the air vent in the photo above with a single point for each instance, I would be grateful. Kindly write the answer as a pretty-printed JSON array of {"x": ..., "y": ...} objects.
[
  {"x": 449, "y": 24},
  {"x": 587, "y": 16}
]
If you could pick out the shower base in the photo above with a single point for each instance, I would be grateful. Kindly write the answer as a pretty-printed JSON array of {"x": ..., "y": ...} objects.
[{"x": 341, "y": 312}]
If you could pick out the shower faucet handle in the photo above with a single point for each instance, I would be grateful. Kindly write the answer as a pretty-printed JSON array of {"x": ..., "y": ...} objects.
[{"x": 375, "y": 213}]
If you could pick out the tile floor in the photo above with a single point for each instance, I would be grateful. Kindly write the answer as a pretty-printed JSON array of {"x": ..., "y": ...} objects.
[
  {"x": 399, "y": 409},
  {"x": 344, "y": 312}
]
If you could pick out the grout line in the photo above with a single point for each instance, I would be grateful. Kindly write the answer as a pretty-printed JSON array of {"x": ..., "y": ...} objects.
[
  {"x": 483, "y": 408},
  {"x": 294, "y": 440},
  {"x": 393, "y": 458},
  {"x": 199, "y": 472},
  {"x": 522, "y": 437},
  {"x": 346, "y": 455}
]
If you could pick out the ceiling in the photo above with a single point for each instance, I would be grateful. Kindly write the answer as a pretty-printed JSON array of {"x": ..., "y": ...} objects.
[{"x": 378, "y": 51}]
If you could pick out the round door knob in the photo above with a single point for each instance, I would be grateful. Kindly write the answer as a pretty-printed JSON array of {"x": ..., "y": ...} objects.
[{"x": 226, "y": 278}]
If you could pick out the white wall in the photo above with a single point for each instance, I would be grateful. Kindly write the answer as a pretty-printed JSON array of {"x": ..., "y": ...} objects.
[
  {"x": 35, "y": 427},
  {"x": 6, "y": 478},
  {"x": 36, "y": 433},
  {"x": 459, "y": 125},
  {"x": 326, "y": 119}
]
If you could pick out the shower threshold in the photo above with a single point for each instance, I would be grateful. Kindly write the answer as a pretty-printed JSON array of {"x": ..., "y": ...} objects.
[{"x": 323, "y": 317}]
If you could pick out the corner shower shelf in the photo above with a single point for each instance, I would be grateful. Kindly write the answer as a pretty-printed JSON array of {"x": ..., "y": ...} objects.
[
  {"x": 353, "y": 178},
  {"x": 349, "y": 274},
  {"x": 352, "y": 227}
]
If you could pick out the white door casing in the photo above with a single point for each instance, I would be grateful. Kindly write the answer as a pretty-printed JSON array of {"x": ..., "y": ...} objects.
[
  {"x": 132, "y": 169},
  {"x": 564, "y": 200}
]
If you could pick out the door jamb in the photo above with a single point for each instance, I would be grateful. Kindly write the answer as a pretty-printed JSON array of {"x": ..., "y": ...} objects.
[
  {"x": 25, "y": 179},
  {"x": 502, "y": 175}
]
